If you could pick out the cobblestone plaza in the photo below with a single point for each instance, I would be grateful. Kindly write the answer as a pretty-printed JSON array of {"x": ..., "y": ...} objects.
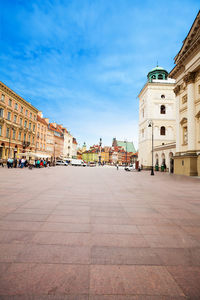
[{"x": 100, "y": 234}]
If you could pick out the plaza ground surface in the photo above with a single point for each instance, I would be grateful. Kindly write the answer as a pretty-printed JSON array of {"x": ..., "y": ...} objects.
[{"x": 100, "y": 234}]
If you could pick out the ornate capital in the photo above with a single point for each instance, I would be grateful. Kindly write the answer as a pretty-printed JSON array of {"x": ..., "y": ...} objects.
[
  {"x": 189, "y": 78},
  {"x": 177, "y": 89}
]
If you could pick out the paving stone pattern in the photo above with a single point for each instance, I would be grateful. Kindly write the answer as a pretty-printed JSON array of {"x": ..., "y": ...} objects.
[{"x": 100, "y": 234}]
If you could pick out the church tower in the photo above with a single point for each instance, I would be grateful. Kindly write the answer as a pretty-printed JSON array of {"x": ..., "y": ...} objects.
[{"x": 157, "y": 106}]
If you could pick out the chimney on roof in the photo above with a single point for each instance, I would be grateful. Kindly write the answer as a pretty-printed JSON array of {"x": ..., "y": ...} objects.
[
  {"x": 40, "y": 114},
  {"x": 47, "y": 120}
]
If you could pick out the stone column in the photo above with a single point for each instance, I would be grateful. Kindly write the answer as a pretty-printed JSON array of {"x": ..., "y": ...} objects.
[
  {"x": 176, "y": 91},
  {"x": 189, "y": 79}
]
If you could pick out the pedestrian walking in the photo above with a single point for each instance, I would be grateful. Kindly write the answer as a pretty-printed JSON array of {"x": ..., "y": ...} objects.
[
  {"x": 22, "y": 162},
  {"x": 38, "y": 163},
  {"x": 1, "y": 163},
  {"x": 15, "y": 163}
]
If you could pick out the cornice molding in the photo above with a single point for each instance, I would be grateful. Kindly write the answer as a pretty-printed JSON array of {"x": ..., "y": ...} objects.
[
  {"x": 189, "y": 78},
  {"x": 7, "y": 90},
  {"x": 177, "y": 90}
]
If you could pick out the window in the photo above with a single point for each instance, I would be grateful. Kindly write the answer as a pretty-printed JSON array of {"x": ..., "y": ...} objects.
[
  {"x": 34, "y": 127},
  {"x": 21, "y": 109},
  {"x": 9, "y": 115},
  {"x": 3, "y": 97},
  {"x": 163, "y": 96},
  {"x": 30, "y": 115},
  {"x": 14, "y": 134},
  {"x": 38, "y": 135},
  {"x": 162, "y": 130},
  {"x": 35, "y": 117},
  {"x": 29, "y": 138},
  {"x": 16, "y": 106},
  {"x": 162, "y": 110},
  {"x": 20, "y": 121},
  {"x": 160, "y": 76},
  {"x": 0, "y": 130},
  {"x": 24, "y": 137},
  {"x": 15, "y": 119},
  {"x": 1, "y": 112},
  {"x": 7, "y": 132},
  {"x": 153, "y": 77},
  {"x": 185, "y": 135},
  {"x": 26, "y": 112},
  {"x": 29, "y": 126},
  {"x": 42, "y": 127},
  {"x": 38, "y": 126},
  {"x": 33, "y": 140},
  {"x": 37, "y": 145},
  {"x": 19, "y": 136},
  {"x": 25, "y": 124},
  {"x": 10, "y": 102},
  {"x": 41, "y": 135},
  {"x": 44, "y": 137}
]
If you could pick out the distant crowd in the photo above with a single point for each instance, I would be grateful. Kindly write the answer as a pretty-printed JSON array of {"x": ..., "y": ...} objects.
[{"x": 24, "y": 163}]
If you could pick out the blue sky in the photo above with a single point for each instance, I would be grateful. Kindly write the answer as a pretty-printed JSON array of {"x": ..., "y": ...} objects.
[{"x": 83, "y": 62}]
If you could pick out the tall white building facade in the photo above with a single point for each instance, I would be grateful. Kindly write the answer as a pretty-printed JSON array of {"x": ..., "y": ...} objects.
[{"x": 157, "y": 107}]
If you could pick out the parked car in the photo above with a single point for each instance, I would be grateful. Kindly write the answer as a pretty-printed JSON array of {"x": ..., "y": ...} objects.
[
  {"x": 61, "y": 163},
  {"x": 130, "y": 168},
  {"x": 91, "y": 164}
]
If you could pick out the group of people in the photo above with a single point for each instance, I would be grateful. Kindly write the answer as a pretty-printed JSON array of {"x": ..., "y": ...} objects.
[
  {"x": 23, "y": 163},
  {"x": 40, "y": 163}
]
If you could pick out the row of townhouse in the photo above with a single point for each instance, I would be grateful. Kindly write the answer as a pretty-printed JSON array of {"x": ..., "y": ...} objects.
[
  {"x": 120, "y": 152},
  {"x": 23, "y": 129}
]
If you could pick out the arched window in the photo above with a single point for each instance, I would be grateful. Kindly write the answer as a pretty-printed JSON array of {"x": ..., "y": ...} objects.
[
  {"x": 162, "y": 130},
  {"x": 163, "y": 110},
  {"x": 160, "y": 76},
  {"x": 153, "y": 77}
]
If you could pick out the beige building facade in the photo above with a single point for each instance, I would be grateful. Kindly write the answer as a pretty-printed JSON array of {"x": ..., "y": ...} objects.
[
  {"x": 18, "y": 121},
  {"x": 41, "y": 136},
  {"x": 187, "y": 89},
  {"x": 157, "y": 116}
]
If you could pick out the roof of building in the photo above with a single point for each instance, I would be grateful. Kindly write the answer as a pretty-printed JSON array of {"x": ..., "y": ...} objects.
[
  {"x": 74, "y": 141},
  {"x": 127, "y": 146},
  {"x": 190, "y": 45},
  {"x": 41, "y": 120},
  {"x": 157, "y": 68}
]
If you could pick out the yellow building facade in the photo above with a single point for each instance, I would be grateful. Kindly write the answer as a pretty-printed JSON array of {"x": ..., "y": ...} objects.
[{"x": 18, "y": 120}]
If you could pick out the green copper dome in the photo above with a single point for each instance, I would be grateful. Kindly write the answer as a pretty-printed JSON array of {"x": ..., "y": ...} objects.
[{"x": 157, "y": 73}]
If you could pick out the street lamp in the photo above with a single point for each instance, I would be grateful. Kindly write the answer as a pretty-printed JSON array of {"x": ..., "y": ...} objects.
[
  {"x": 100, "y": 143},
  {"x": 151, "y": 125}
]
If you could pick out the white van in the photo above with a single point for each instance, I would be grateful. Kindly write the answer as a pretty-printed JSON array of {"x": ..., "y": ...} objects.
[{"x": 78, "y": 162}]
